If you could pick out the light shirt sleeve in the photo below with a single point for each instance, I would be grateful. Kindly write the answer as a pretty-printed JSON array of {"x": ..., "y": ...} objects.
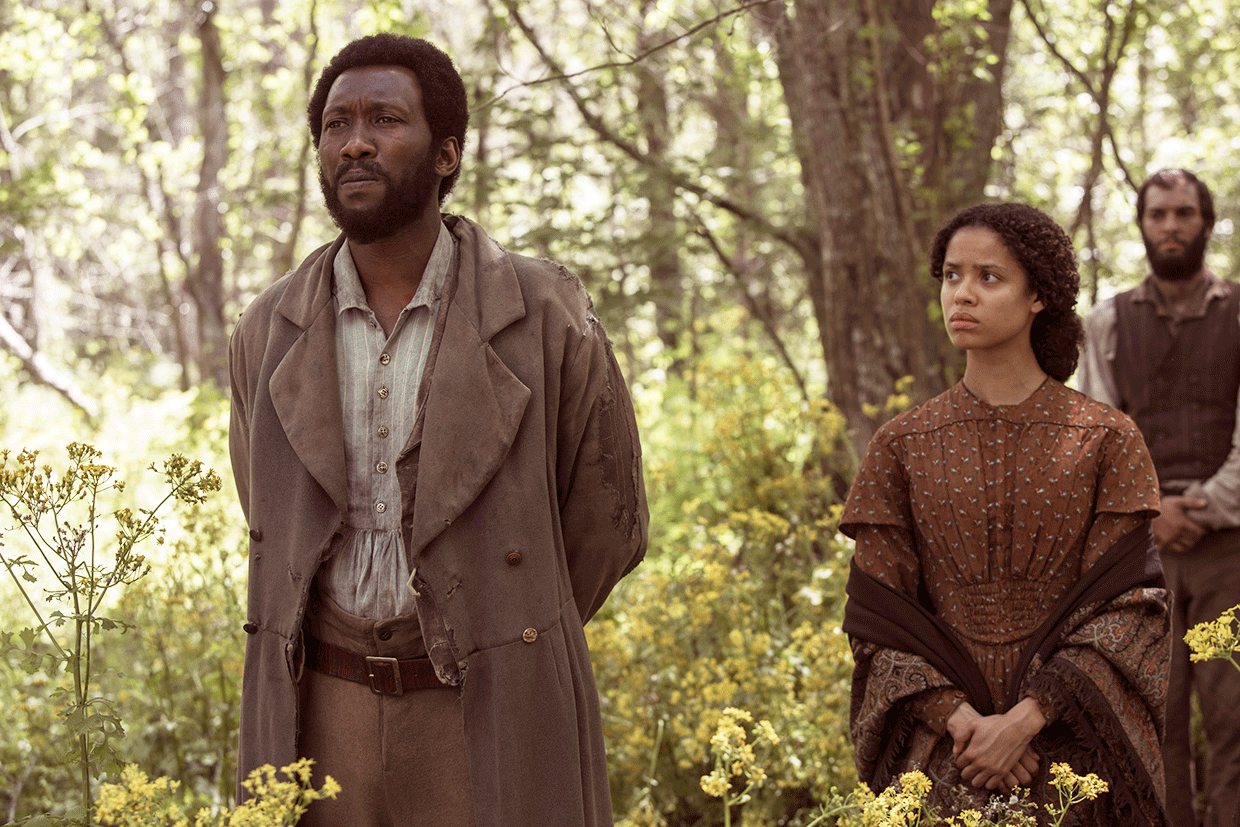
[{"x": 1096, "y": 377}]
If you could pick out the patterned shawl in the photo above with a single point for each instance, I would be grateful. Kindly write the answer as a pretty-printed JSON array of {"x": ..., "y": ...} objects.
[{"x": 1099, "y": 703}]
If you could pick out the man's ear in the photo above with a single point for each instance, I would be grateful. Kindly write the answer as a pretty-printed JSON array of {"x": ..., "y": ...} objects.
[{"x": 449, "y": 157}]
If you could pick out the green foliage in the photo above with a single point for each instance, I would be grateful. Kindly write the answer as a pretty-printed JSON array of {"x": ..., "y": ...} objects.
[
  {"x": 59, "y": 517},
  {"x": 178, "y": 671},
  {"x": 737, "y": 605}
]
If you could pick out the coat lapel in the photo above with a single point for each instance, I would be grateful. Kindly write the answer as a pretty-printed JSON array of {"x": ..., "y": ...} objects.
[
  {"x": 305, "y": 388},
  {"x": 475, "y": 403}
]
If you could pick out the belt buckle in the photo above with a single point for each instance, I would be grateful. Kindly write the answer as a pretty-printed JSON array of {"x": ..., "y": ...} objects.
[{"x": 389, "y": 663}]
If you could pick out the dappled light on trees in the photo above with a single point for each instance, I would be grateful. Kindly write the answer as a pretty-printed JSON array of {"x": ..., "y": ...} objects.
[{"x": 748, "y": 188}]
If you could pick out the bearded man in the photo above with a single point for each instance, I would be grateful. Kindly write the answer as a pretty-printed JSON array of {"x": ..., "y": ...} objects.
[
  {"x": 1167, "y": 353},
  {"x": 438, "y": 461}
]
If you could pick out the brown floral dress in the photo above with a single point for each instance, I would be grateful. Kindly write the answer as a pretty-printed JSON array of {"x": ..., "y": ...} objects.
[{"x": 988, "y": 516}]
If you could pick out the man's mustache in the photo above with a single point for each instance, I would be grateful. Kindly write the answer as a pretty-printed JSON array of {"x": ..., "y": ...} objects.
[{"x": 364, "y": 164}]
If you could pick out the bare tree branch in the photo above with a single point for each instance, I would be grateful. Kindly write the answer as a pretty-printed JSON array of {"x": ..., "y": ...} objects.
[
  {"x": 751, "y": 304},
  {"x": 1097, "y": 94},
  {"x": 44, "y": 372},
  {"x": 561, "y": 75},
  {"x": 798, "y": 242}
]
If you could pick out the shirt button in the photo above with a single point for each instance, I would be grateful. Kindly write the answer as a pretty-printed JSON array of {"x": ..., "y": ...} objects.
[
  {"x": 530, "y": 635},
  {"x": 383, "y": 431},
  {"x": 514, "y": 558},
  {"x": 383, "y": 392},
  {"x": 385, "y": 359},
  {"x": 381, "y": 507},
  {"x": 382, "y": 467}
]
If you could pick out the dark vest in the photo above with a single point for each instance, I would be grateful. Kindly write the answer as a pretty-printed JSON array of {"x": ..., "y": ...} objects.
[{"x": 1180, "y": 387}]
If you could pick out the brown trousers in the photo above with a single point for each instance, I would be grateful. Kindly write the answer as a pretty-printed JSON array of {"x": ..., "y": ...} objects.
[
  {"x": 1205, "y": 582},
  {"x": 400, "y": 761}
]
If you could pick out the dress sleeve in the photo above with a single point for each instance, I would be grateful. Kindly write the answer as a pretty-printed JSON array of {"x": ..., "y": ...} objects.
[
  {"x": 888, "y": 553},
  {"x": 1114, "y": 667},
  {"x": 1127, "y": 482},
  {"x": 879, "y": 493},
  {"x": 1108, "y": 528},
  {"x": 1127, "y": 496}
]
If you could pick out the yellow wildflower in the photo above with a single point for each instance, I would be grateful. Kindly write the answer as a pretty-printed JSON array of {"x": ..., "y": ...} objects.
[{"x": 1214, "y": 639}]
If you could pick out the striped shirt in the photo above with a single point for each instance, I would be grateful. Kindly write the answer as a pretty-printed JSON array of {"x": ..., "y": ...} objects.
[{"x": 367, "y": 567}]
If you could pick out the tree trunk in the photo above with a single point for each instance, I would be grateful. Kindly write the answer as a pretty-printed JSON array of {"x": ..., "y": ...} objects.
[
  {"x": 663, "y": 250},
  {"x": 855, "y": 73},
  {"x": 206, "y": 278},
  {"x": 868, "y": 301}
]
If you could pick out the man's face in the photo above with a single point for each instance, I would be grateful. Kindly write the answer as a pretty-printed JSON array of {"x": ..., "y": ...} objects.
[
  {"x": 1174, "y": 231},
  {"x": 377, "y": 167}
]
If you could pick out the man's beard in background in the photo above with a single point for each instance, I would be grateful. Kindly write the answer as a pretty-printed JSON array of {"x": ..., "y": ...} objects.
[{"x": 1180, "y": 266}]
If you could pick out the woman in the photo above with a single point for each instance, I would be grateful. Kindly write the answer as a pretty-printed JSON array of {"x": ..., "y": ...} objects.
[{"x": 1006, "y": 608}]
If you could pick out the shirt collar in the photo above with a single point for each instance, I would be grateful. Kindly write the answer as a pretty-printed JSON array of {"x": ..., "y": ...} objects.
[
  {"x": 348, "y": 284},
  {"x": 1210, "y": 287}
]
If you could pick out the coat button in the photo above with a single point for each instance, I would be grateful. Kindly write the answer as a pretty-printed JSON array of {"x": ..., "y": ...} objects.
[
  {"x": 385, "y": 634},
  {"x": 514, "y": 558},
  {"x": 256, "y": 535},
  {"x": 530, "y": 635},
  {"x": 250, "y": 628}
]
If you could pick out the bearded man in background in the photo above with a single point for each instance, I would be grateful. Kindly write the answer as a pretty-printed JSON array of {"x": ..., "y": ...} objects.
[{"x": 1167, "y": 353}]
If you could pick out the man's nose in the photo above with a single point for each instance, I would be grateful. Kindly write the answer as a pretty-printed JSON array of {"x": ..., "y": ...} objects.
[{"x": 358, "y": 144}]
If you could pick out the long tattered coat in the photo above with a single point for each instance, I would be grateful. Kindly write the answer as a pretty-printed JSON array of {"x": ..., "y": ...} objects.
[{"x": 529, "y": 507}]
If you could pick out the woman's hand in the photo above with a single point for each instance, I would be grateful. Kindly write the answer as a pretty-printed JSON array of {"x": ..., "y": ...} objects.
[{"x": 993, "y": 750}]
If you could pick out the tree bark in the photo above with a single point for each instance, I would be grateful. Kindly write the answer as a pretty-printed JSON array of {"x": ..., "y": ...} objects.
[
  {"x": 206, "y": 278},
  {"x": 869, "y": 303},
  {"x": 663, "y": 252}
]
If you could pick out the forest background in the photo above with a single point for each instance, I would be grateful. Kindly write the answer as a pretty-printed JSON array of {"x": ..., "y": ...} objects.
[{"x": 747, "y": 188}]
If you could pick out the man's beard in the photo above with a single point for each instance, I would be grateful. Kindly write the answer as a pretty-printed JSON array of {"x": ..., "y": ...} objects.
[
  {"x": 404, "y": 199},
  {"x": 1180, "y": 266}
]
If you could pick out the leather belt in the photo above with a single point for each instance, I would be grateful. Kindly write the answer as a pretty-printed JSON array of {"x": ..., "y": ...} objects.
[{"x": 384, "y": 676}]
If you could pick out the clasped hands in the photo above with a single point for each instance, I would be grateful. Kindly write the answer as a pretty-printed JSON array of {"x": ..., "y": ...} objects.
[
  {"x": 1174, "y": 529},
  {"x": 993, "y": 751}
]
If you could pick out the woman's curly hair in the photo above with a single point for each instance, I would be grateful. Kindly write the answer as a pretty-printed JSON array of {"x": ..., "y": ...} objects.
[{"x": 1045, "y": 253}]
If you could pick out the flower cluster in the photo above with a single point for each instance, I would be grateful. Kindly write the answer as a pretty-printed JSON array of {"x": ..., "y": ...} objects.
[
  {"x": 1216, "y": 639},
  {"x": 734, "y": 755},
  {"x": 1073, "y": 789},
  {"x": 903, "y": 804},
  {"x": 138, "y": 801}
]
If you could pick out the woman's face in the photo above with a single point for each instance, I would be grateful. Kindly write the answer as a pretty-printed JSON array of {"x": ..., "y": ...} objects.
[{"x": 988, "y": 305}]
